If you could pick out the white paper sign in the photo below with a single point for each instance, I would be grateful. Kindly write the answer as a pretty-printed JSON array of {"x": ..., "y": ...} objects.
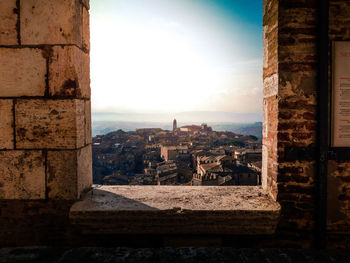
[{"x": 341, "y": 94}]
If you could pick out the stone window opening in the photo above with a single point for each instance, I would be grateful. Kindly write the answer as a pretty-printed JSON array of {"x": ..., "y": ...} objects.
[
  {"x": 45, "y": 142},
  {"x": 46, "y": 126},
  {"x": 172, "y": 198},
  {"x": 203, "y": 125}
]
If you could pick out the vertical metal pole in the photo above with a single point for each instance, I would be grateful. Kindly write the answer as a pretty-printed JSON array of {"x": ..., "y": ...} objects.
[{"x": 323, "y": 124}]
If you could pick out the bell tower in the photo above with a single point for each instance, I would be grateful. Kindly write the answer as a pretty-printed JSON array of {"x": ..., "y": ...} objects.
[{"x": 174, "y": 125}]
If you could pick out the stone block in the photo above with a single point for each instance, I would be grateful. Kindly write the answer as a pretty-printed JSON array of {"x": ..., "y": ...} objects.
[
  {"x": 22, "y": 175},
  {"x": 80, "y": 123},
  {"x": 68, "y": 173},
  {"x": 22, "y": 72},
  {"x": 62, "y": 174},
  {"x": 86, "y": 29},
  {"x": 265, "y": 48},
  {"x": 84, "y": 169},
  {"x": 86, "y": 3},
  {"x": 271, "y": 85},
  {"x": 88, "y": 133},
  {"x": 53, "y": 124},
  {"x": 264, "y": 173},
  {"x": 265, "y": 119},
  {"x": 69, "y": 72},
  {"x": 51, "y": 22},
  {"x": 300, "y": 53},
  {"x": 8, "y": 18},
  {"x": 6, "y": 124}
]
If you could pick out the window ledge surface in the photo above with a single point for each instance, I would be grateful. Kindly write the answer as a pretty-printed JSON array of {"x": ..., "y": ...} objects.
[{"x": 239, "y": 210}]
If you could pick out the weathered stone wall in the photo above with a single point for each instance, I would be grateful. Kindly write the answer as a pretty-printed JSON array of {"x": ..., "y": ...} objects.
[
  {"x": 297, "y": 114},
  {"x": 338, "y": 172},
  {"x": 290, "y": 120},
  {"x": 44, "y": 99},
  {"x": 45, "y": 125},
  {"x": 270, "y": 105}
]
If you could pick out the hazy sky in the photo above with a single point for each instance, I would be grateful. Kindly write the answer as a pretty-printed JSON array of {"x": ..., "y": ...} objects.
[{"x": 176, "y": 55}]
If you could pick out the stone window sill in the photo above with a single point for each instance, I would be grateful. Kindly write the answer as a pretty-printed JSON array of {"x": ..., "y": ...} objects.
[{"x": 235, "y": 210}]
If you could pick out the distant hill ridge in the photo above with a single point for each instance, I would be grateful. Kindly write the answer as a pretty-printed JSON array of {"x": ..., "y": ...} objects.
[
  {"x": 184, "y": 117},
  {"x": 104, "y": 127}
]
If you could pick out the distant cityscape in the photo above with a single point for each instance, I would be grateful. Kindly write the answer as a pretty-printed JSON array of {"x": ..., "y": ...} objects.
[{"x": 187, "y": 155}]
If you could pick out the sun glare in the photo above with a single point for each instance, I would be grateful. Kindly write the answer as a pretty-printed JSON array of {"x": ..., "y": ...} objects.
[
  {"x": 147, "y": 62},
  {"x": 154, "y": 69}
]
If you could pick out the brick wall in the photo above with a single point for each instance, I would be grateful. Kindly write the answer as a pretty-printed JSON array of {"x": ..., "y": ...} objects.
[
  {"x": 290, "y": 113},
  {"x": 297, "y": 117},
  {"x": 290, "y": 120},
  {"x": 270, "y": 104},
  {"x": 338, "y": 172}
]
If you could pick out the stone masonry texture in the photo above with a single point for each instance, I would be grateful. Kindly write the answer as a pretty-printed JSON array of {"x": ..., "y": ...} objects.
[
  {"x": 86, "y": 29},
  {"x": 6, "y": 124},
  {"x": 62, "y": 175},
  {"x": 290, "y": 118},
  {"x": 54, "y": 124},
  {"x": 84, "y": 169},
  {"x": 88, "y": 130},
  {"x": 270, "y": 74},
  {"x": 67, "y": 173},
  {"x": 8, "y": 18},
  {"x": 338, "y": 171},
  {"x": 44, "y": 100},
  {"x": 297, "y": 92},
  {"x": 69, "y": 74},
  {"x": 290, "y": 112},
  {"x": 51, "y": 22},
  {"x": 22, "y": 72},
  {"x": 45, "y": 125},
  {"x": 22, "y": 175}
]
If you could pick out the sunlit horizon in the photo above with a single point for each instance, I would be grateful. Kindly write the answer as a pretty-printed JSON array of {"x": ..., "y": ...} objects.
[{"x": 172, "y": 56}]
